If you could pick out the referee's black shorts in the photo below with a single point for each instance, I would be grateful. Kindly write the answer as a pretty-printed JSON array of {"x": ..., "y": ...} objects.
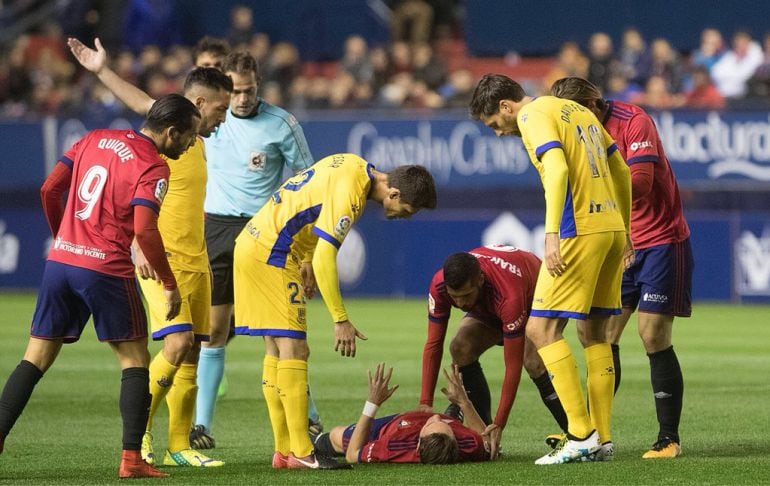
[{"x": 221, "y": 232}]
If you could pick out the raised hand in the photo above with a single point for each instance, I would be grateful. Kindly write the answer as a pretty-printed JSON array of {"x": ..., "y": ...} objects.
[
  {"x": 93, "y": 60},
  {"x": 379, "y": 385}
]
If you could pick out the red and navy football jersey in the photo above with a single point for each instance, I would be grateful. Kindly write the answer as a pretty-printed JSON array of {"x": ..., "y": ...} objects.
[
  {"x": 656, "y": 217},
  {"x": 397, "y": 441},
  {"x": 510, "y": 275},
  {"x": 112, "y": 171}
]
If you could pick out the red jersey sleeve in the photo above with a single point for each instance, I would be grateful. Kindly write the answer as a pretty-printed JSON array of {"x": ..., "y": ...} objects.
[
  {"x": 439, "y": 310},
  {"x": 152, "y": 187},
  {"x": 51, "y": 195},
  {"x": 641, "y": 140}
]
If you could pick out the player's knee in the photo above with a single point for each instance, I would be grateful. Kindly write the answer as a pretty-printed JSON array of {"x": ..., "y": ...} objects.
[
  {"x": 176, "y": 346},
  {"x": 462, "y": 351}
]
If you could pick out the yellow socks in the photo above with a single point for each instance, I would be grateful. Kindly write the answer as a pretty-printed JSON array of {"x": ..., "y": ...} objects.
[
  {"x": 274, "y": 405},
  {"x": 181, "y": 404},
  {"x": 561, "y": 366},
  {"x": 292, "y": 384},
  {"x": 601, "y": 386},
  {"x": 161, "y": 377}
]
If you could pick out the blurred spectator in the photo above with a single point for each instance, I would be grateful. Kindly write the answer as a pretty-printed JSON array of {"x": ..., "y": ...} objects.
[
  {"x": 656, "y": 95},
  {"x": 570, "y": 62},
  {"x": 355, "y": 60},
  {"x": 272, "y": 93},
  {"x": 259, "y": 47},
  {"x": 635, "y": 58},
  {"x": 210, "y": 52},
  {"x": 759, "y": 83},
  {"x": 712, "y": 47},
  {"x": 666, "y": 64},
  {"x": 382, "y": 69},
  {"x": 619, "y": 88},
  {"x": 151, "y": 22},
  {"x": 732, "y": 72},
  {"x": 601, "y": 60},
  {"x": 412, "y": 20},
  {"x": 458, "y": 92},
  {"x": 318, "y": 94},
  {"x": 426, "y": 67},
  {"x": 703, "y": 94},
  {"x": 282, "y": 67},
  {"x": 401, "y": 58},
  {"x": 241, "y": 26}
]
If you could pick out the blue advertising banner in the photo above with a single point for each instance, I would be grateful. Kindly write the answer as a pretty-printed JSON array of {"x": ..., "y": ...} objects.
[
  {"x": 706, "y": 149},
  {"x": 398, "y": 258}
]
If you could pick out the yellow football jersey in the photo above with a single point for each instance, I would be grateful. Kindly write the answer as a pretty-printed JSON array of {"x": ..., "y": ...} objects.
[
  {"x": 323, "y": 201},
  {"x": 591, "y": 204},
  {"x": 181, "y": 217}
]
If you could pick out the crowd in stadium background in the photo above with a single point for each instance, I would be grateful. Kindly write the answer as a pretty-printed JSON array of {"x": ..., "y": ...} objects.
[{"x": 424, "y": 65}]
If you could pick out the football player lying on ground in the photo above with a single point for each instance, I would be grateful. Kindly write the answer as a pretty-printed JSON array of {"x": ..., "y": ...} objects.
[{"x": 409, "y": 437}]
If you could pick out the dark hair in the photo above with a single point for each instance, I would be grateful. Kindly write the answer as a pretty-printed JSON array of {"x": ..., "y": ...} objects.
[
  {"x": 578, "y": 90},
  {"x": 492, "y": 89},
  {"x": 438, "y": 449},
  {"x": 459, "y": 268},
  {"x": 416, "y": 185},
  {"x": 242, "y": 63},
  {"x": 208, "y": 77},
  {"x": 172, "y": 110},
  {"x": 218, "y": 47}
]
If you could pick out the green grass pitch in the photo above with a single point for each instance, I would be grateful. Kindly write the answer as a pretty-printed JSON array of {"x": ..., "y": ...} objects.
[{"x": 70, "y": 431}]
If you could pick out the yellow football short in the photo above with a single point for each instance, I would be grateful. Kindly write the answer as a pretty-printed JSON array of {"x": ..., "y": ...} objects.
[
  {"x": 269, "y": 301},
  {"x": 195, "y": 288},
  {"x": 591, "y": 283}
]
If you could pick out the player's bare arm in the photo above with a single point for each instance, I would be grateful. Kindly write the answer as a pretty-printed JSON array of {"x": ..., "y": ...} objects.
[
  {"x": 379, "y": 391},
  {"x": 455, "y": 393},
  {"x": 95, "y": 60}
]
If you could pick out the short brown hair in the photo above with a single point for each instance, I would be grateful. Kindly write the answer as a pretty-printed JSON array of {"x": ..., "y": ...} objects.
[
  {"x": 438, "y": 449},
  {"x": 578, "y": 90},
  {"x": 416, "y": 185},
  {"x": 492, "y": 89},
  {"x": 241, "y": 62}
]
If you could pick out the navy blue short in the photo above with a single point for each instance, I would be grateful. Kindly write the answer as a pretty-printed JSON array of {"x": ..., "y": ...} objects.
[
  {"x": 69, "y": 295},
  {"x": 660, "y": 280},
  {"x": 377, "y": 425}
]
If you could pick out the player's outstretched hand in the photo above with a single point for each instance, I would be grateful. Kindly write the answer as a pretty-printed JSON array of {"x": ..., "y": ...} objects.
[
  {"x": 424, "y": 408},
  {"x": 455, "y": 391},
  {"x": 173, "y": 303},
  {"x": 345, "y": 335},
  {"x": 491, "y": 437},
  {"x": 552, "y": 257},
  {"x": 93, "y": 60},
  {"x": 379, "y": 385}
]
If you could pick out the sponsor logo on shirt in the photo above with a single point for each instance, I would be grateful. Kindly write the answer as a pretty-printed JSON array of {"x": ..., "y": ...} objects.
[
  {"x": 640, "y": 145},
  {"x": 652, "y": 297},
  {"x": 431, "y": 304},
  {"x": 517, "y": 324},
  {"x": 161, "y": 188},
  {"x": 342, "y": 227},
  {"x": 257, "y": 161}
]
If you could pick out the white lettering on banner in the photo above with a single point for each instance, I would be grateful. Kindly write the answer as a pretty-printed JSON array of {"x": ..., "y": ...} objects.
[
  {"x": 9, "y": 250},
  {"x": 351, "y": 258},
  {"x": 506, "y": 229},
  {"x": 739, "y": 147},
  {"x": 466, "y": 151},
  {"x": 752, "y": 255}
]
